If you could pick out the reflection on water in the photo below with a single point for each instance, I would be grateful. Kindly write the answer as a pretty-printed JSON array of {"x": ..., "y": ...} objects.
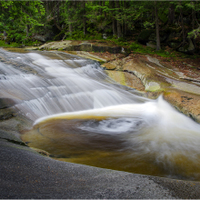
[{"x": 80, "y": 115}]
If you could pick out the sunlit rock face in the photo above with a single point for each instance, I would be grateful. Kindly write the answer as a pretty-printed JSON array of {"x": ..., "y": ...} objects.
[
  {"x": 81, "y": 115},
  {"x": 157, "y": 78}
]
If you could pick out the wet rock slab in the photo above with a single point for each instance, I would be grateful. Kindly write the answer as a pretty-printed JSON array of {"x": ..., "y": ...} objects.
[
  {"x": 27, "y": 174},
  {"x": 155, "y": 78},
  {"x": 89, "y": 46}
]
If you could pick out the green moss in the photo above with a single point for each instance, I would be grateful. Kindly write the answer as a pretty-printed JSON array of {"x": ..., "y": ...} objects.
[
  {"x": 32, "y": 43},
  {"x": 13, "y": 44},
  {"x": 117, "y": 76},
  {"x": 138, "y": 48}
]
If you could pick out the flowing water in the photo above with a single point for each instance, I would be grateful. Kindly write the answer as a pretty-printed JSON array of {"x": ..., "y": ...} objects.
[{"x": 80, "y": 115}]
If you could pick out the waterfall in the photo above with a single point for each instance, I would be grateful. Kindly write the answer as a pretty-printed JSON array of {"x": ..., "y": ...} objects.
[
  {"x": 42, "y": 86},
  {"x": 79, "y": 109}
]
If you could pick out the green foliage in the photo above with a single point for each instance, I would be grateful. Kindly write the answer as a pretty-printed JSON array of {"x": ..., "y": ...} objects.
[
  {"x": 18, "y": 19},
  {"x": 149, "y": 24},
  {"x": 194, "y": 33},
  {"x": 4, "y": 44},
  {"x": 88, "y": 20},
  {"x": 138, "y": 48}
]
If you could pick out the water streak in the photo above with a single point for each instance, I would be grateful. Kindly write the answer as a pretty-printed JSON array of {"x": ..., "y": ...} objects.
[{"x": 47, "y": 86}]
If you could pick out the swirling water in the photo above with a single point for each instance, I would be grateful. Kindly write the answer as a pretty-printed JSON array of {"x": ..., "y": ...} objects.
[{"x": 80, "y": 115}]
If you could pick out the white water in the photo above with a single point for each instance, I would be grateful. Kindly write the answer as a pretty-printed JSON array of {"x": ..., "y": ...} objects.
[
  {"x": 59, "y": 89},
  {"x": 155, "y": 125},
  {"x": 57, "y": 85}
]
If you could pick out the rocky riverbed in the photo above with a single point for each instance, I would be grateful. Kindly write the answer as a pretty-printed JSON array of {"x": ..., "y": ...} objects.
[
  {"x": 28, "y": 173},
  {"x": 177, "y": 81},
  {"x": 153, "y": 77}
]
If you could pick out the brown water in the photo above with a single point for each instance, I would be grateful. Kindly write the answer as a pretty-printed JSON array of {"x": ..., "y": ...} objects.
[{"x": 114, "y": 138}]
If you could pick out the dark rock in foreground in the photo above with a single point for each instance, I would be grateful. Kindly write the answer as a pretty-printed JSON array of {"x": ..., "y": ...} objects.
[{"x": 27, "y": 174}]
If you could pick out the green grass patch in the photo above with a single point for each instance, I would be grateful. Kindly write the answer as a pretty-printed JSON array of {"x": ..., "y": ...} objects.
[
  {"x": 138, "y": 48},
  {"x": 13, "y": 44},
  {"x": 32, "y": 43},
  {"x": 18, "y": 45}
]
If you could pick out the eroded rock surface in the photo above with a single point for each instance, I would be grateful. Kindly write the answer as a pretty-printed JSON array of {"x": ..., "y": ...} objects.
[
  {"x": 155, "y": 78},
  {"x": 144, "y": 73},
  {"x": 89, "y": 46}
]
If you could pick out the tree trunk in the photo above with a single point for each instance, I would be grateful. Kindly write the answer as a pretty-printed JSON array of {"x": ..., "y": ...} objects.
[
  {"x": 70, "y": 21},
  {"x": 27, "y": 30},
  {"x": 193, "y": 17},
  {"x": 182, "y": 25},
  {"x": 47, "y": 7},
  {"x": 104, "y": 13},
  {"x": 171, "y": 14},
  {"x": 114, "y": 27},
  {"x": 4, "y": 35},
  {"x": 193, "y": 22},
  {"x": 119, "y": 31},
  {"x": 100, "y": 10},
  {"x": 124, "y": 22},
  {"x": 119, "y": 28},
  {"x": 158, "y": 47},
  {"x": 114, "y": 30},
  {"x": 84, "y": 18},
  {"x": 56, "y": 15},
  {"x": 70, "y": 28}
]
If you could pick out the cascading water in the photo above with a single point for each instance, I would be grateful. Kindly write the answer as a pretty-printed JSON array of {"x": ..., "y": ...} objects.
[{"x": 80, "y": 115}]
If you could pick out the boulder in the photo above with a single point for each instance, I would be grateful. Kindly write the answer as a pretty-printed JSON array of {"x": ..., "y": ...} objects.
[
  {"x": 188, "y": 48},
  {"x": 191, "y": 47},
  {"x": 40, "y": 38},
  {"x": 151, "y": 44},
  {"x": 44, "y": 38},
  {"x": 6, "y": 103},
  {"x": 148, "y": 74}
]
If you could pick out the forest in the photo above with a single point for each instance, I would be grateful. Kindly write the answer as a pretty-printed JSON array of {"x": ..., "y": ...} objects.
[{"x": 157, "y": 24}]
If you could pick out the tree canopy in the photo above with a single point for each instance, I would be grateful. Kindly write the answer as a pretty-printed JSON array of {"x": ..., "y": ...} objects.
[{"x": 174, "y": 22}]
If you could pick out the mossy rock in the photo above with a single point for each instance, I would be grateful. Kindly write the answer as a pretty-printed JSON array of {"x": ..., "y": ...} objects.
[
  {"x": 151, "y": 44},
  {"x": 188, "y": 48},
  {"x": 86, "y": 47},
  {"x": 106, "y": 49}
]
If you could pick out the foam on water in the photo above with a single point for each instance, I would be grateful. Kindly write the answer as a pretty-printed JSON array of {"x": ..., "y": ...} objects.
[{"x": 153, "y": 131}]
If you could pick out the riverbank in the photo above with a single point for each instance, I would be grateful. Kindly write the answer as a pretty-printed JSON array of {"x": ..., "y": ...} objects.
[{"x": 176, "y": 78}]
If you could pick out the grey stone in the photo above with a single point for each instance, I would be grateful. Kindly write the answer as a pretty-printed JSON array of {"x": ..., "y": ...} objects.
[
  {"x": 27, "y": 174},
  {"x": 41, "y": 38},
  {"x": 6, "y": 102},
  {"x": 191, "y": 45},
  {"x": 151, "y": 44}
]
